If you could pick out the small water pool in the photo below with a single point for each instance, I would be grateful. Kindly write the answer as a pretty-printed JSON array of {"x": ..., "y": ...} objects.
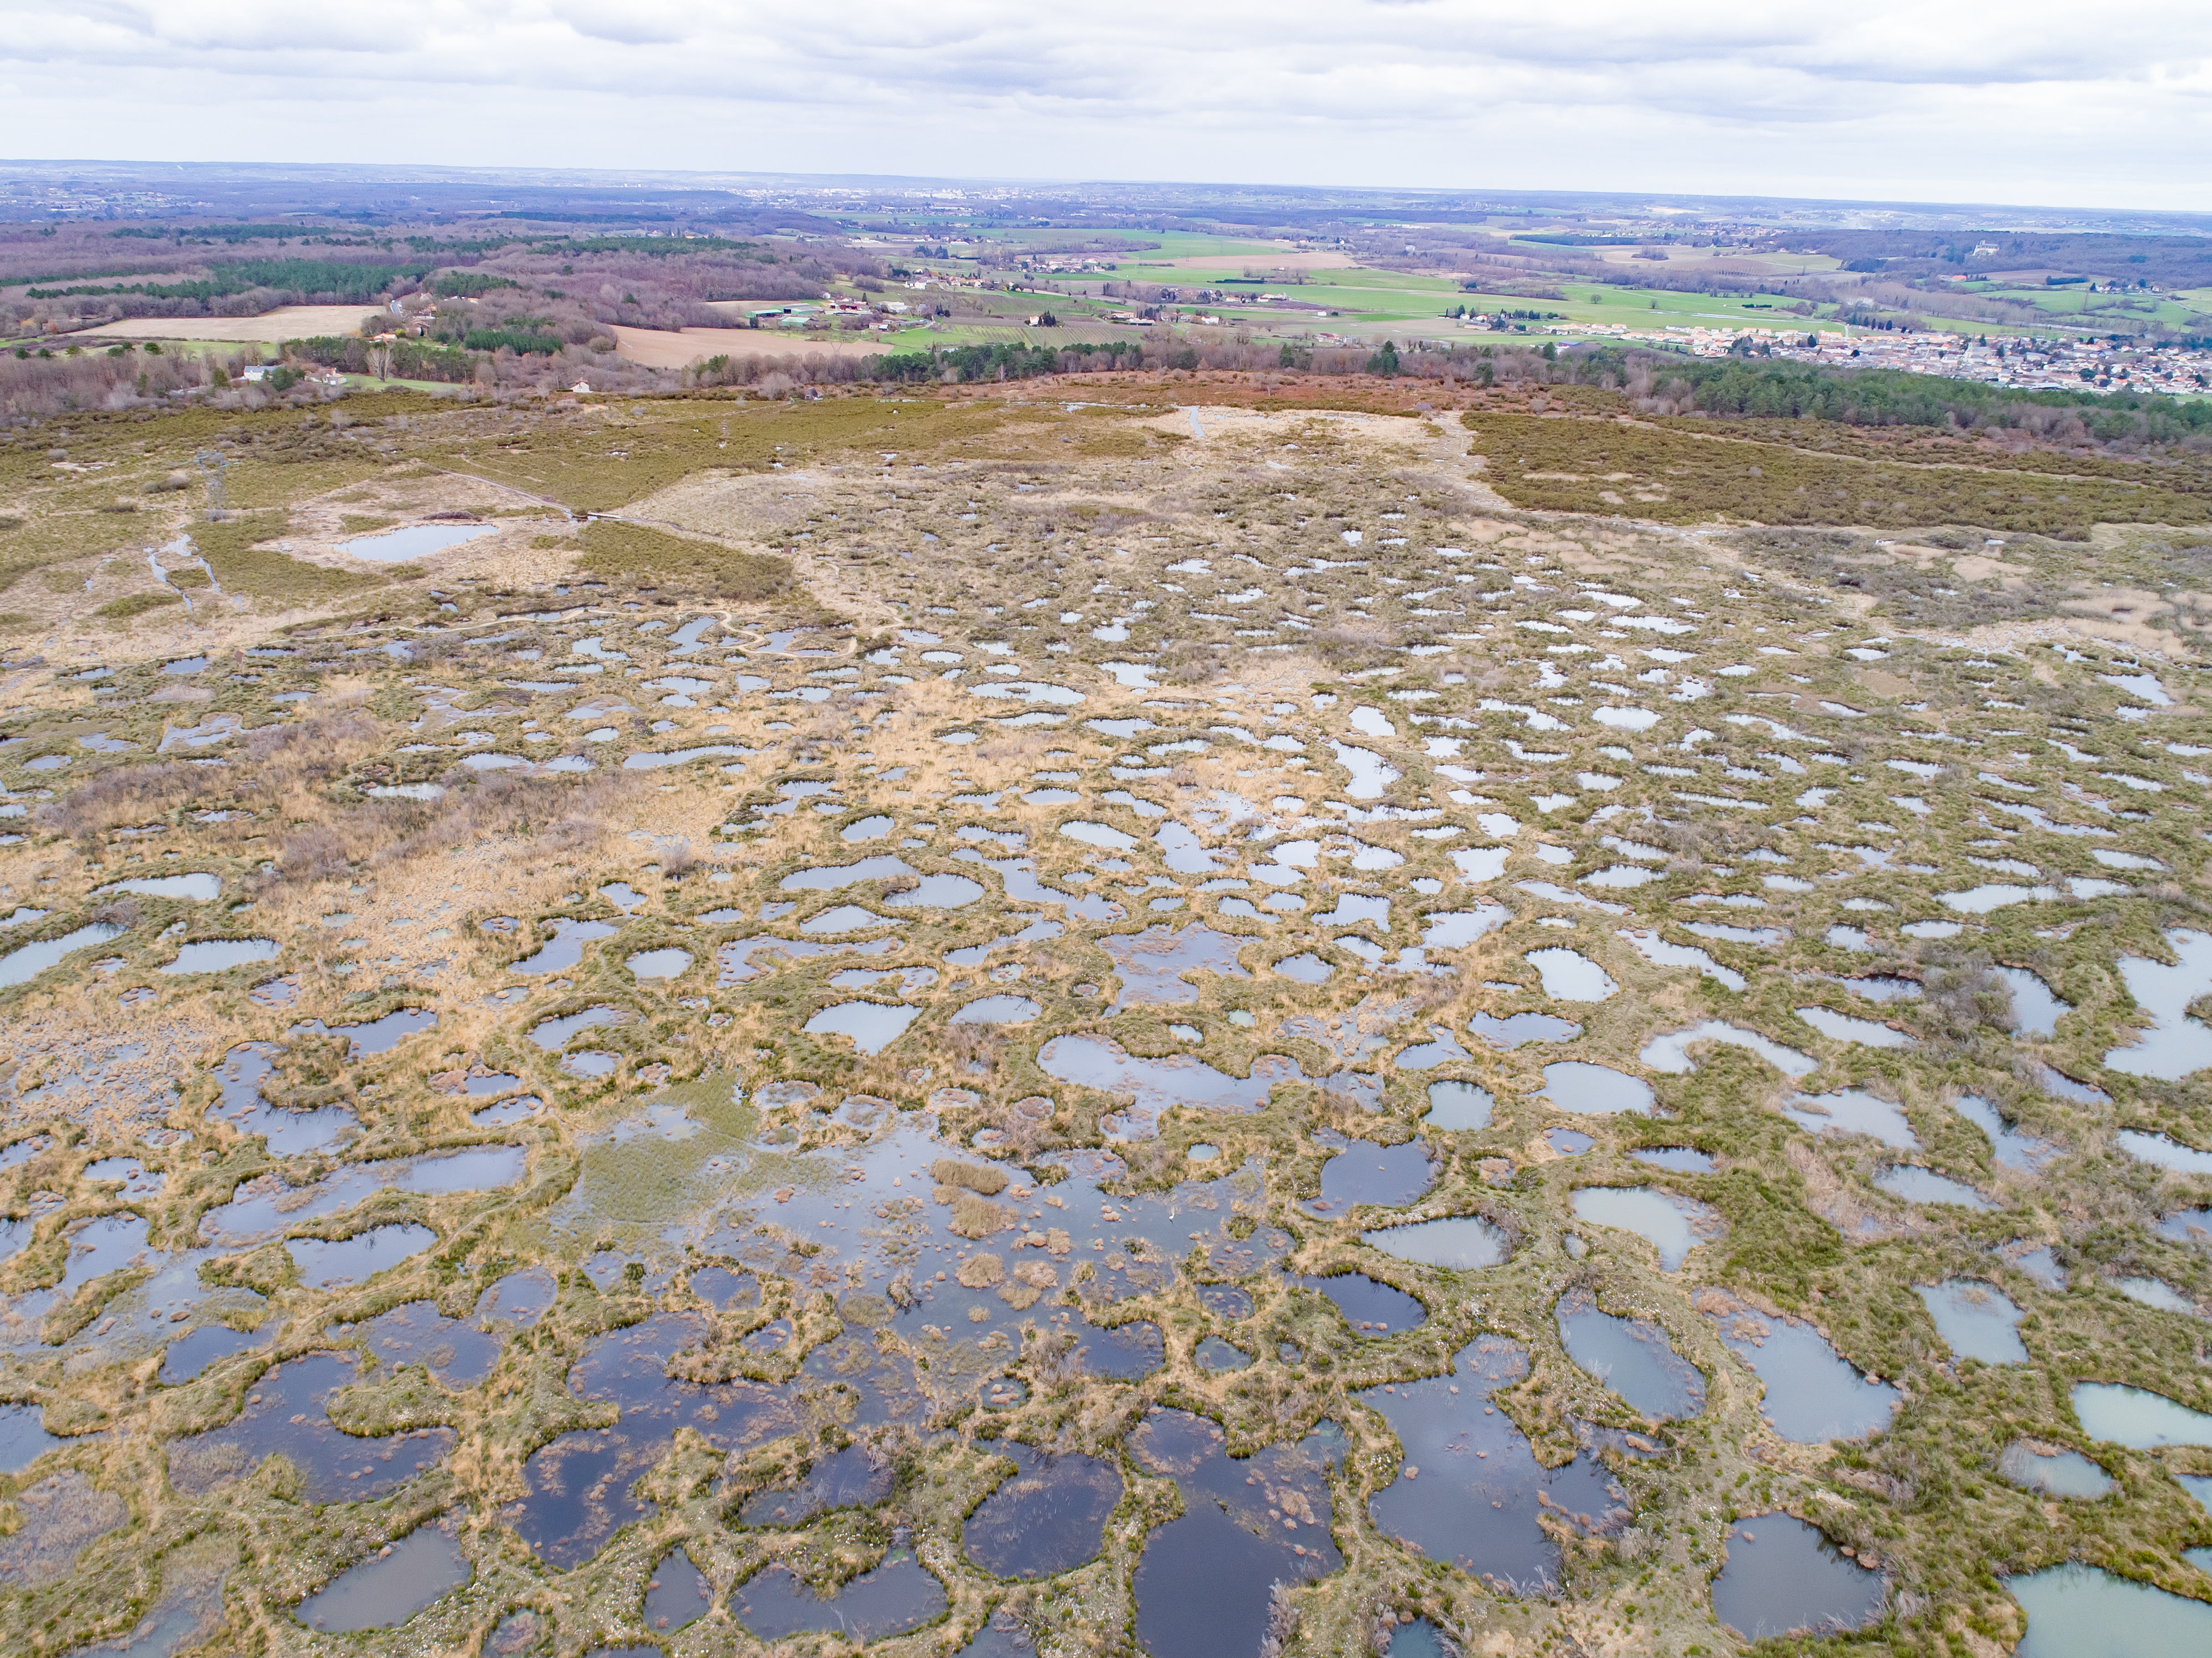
[
  {"x": 415, "y": 541},
  {"x": 1784, "y": 1576}
]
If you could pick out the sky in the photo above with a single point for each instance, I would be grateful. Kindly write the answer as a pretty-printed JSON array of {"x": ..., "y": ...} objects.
[{"x": 2030, "y": 102}]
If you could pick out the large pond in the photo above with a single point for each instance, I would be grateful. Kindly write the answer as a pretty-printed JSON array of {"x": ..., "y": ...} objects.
[
  {"x": 1049, "y": 1518},
  {"x": 1204, "y": 1581},
  {"x": 1463, "y": 1241},
  {"x": 1460, "y": 1107},
  {"x": 2175, "y": 1045},
  {"x": 2141, "y": 1420},
  {"x": 898, "y": 1595},
  {"x": 2075, "y": 1610},
  {"x": 1784, "y": 1576},
  {"x": 1673, "y": 1225},
  {"x": 1593, "y": 1090},
  {"x": 285, "y": 1414},
  {"x": 415, "y": 541},
  {"x": 1976, "y": 1320},
  {"x": 1633, "y": 1357},
  {"x": 1812, "y": 1393},
  {"x": 1389, "y": 1177},
  {"x": 1469, "y": 1489},
  {"x": 391, "y": 1586}
]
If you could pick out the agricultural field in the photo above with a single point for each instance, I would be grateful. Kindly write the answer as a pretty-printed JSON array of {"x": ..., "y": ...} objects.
[{"x": 1138, "y": 1014}]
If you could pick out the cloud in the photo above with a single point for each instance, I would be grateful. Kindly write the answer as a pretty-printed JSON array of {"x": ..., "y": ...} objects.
[{"x": 1885, "y": 98}]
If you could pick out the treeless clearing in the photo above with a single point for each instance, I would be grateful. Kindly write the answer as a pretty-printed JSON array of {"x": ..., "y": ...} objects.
[
  {"x": 1314, "y": 261},
  {"x": 286, "y": 322},
  {"x": 658, "y": 348}
]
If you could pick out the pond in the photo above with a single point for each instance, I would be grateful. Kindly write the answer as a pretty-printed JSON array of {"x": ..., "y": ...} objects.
[
  {"x": 185, "y": 1358},
  {"x": 845, "y": 1479},
  {"x": 1369, "y": 774},
  {"x": 1593, "y": 1090},
  {"x": 2163, "y": 1150},
  {"x": 415, "y": 541},
  {"x": 1671, "y": 1053},
  {"x": 550, "y": 1034},
  {"x": 871, "y": 1026},
  {"x": 1176, "y": 1080},
  {"x": 1633, "y": 1357},
  {"x": 221, "y": 954},
  {"x": 1914, "y": 1184},
  {"x": 1680, "y": 1159},
  {"x": 1305, "y": 968},
  {"x": 2187, "y": 1226},
  {"x": 1455, "y": 929},
  {"x": 1660, "y": 953},
  {"x": 1389, "y": 1177},
  {"x": 1784, "y": 1576},
  {"x": 23, "y": 1437},
  {"x": 1853, "y": 1111},
  {"x": 1049, "y": 1518},
  {"x": 1217, "y": 1355},
  {"x": 285, "y": 1415},
  {"x": 200, "y": 887},
  {"x": 1459, "y": 1106},
  {"x": 2138, "y": 1419},
  {"x": 898, "y": 1595},
  {"x": 289, "y": 1133},
  {"x": 998, "y": 1010},
  {"x": 2054, "y": 1471},
  {"x": 580, "y": 1486},
  {"x": 676, "y": 1594},
  {"x": 21, "y": 965},
  {"x": 1461, "y": 1241},
  {"x": 1204, "y": 1581},
  {"x": 667, "y": 963},
  {"x": 1975, "y": 1319},
  {"x": 1842, "y": 1027},
  {"x": 1123, "y": 1353},
  {"x": 2176, "y": 1044},
  {"x": 1372, "y": 1309},
  {"x": 2075, "y": 1610},
  {"x": 391, "y": 1586},
  {"x": 1519, "y": 1030},
  {"x": 328, "y": 1263},
  {"x": 565, "y": 949},
  {"x": 1156, "y": 965},
  {"x": 455, "y": 1352},
  {"x": 1673, "y": 1225},
  {"x": 2011, "y": 1148},
  {"x": 2035, "y": 1010},
  {"x": 1813, "y": 1395},
  {"x": 1469, "y": 1490},
  {"x": 1568, "y": 976}
]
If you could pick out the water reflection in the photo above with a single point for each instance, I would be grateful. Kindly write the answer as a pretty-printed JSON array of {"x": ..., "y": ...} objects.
[
  {"x": 286, "y": 1414},
  {"x": 897, "y": 1595},
  {"x": 1784, "y": 1576},
  {"x": 1203, "y": 1583},
  {"x": 1633, "y": 1357},
  {"x": 1812, "y": 1394},
  {"x": 1470, "y": 1489},
  {"x": 1049, "y": 1518}
]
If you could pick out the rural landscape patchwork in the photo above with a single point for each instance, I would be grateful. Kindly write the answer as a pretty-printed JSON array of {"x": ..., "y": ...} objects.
[{"x": 971, "y": 919}]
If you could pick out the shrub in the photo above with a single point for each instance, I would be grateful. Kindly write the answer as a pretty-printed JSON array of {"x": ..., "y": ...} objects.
[
  {"x": 634, "y": 551},
  {"x": 130, "y": 605}
]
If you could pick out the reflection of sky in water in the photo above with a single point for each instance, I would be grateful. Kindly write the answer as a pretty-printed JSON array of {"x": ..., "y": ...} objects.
[{"x": 1470, "y": 1489}]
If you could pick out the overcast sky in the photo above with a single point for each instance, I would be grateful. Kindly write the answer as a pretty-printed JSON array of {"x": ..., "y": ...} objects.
[{"x": 2028, "y": 102}]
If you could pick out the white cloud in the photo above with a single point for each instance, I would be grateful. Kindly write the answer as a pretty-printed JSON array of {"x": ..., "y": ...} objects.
[{"x": 1885, "y": 99}]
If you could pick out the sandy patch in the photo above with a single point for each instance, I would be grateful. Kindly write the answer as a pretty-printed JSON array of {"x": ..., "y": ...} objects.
[{"x": 286, "y": 322}]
